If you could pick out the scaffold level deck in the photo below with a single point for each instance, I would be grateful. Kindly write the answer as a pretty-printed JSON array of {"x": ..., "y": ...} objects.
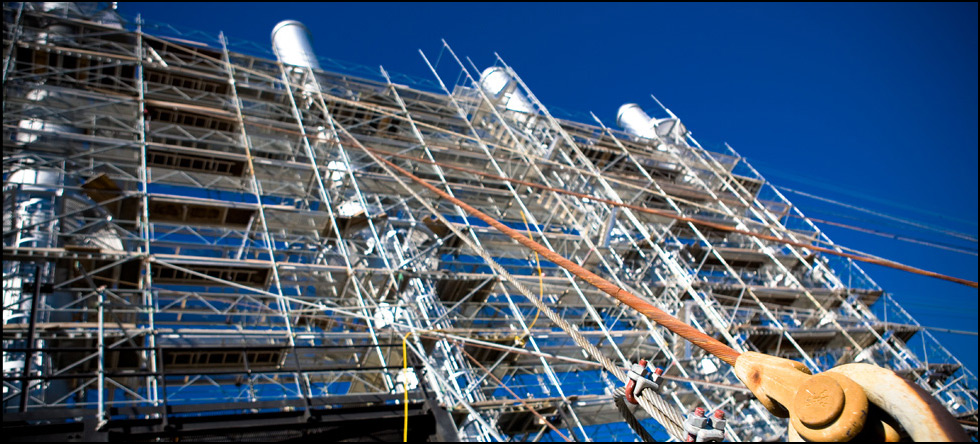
[{"x": 196, "y": 247}]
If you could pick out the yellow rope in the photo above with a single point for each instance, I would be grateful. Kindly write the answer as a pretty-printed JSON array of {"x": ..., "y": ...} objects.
[
  {"x": 405, "y": 382},
  {"x": 537, "y": 261},
  {"x": 405, "y": 374}
]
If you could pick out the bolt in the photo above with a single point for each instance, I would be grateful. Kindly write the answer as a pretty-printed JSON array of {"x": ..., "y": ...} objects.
[
  {"x": 719, "y": 414},
  {"x": 658, "y": 371},
  {"x": 819, "y": 402},
  {"x": 699, "y": 412}
]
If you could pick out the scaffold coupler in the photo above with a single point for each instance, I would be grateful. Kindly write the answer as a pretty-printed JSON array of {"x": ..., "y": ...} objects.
[{"x": 640, "y": 377}]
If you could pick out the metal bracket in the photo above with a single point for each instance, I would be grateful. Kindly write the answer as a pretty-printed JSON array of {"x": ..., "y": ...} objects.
[
  {"x": 700, "y": 428},
  {"x": 640, "y": 378}
]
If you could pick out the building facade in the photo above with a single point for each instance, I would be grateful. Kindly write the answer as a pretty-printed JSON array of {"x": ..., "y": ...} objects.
[{"x": 201, "y": 243}]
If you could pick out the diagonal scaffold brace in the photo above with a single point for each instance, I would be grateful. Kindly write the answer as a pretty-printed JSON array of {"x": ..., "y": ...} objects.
[{"x": 836, "y": 405}]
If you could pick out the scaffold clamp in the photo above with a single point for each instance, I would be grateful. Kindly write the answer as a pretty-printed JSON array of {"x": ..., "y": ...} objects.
[
  {"x": 700, "y": 428},
  {"x": 640, "y": 377}
]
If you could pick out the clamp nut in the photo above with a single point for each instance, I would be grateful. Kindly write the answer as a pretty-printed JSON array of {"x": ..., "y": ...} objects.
[
  {"x": 700, "y": 428},
  {"x": 695, "y": 422}
]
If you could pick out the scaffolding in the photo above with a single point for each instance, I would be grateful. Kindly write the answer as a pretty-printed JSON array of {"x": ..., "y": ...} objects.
[{"x": 198, "y": 244}]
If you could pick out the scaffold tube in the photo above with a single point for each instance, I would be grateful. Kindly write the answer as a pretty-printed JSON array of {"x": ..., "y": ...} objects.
[
  {"x": 696, "y": 337},
  {"x": 671, "y": 215},
  {"x": 857, "y": 257}
]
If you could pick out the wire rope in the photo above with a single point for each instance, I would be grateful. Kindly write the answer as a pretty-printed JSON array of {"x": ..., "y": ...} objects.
[
  {"x": 380, "y": 109},
  {"x": 665, "y": 413},
  {"x": 721, "y": 227},
  {"x": 629, "y": 417},
  {"x": 537, "y": 262},
  {"x": 971, "y": 238}
]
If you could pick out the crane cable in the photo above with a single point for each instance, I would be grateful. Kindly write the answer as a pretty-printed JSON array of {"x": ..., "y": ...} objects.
[
  {"x": 673, "y": 324},
  {"x": 947, "y": 232},
  {"x": 864, "y": 257},
  {"x": 894, "y": 236},
  {"x": 381, "y": 110},
  {"x": 720, "y": 227},
  {"x": 654, "y": 404}
]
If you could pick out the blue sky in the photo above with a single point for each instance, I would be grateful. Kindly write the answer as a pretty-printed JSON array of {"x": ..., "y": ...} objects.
[{"x": 871, "y": 104}]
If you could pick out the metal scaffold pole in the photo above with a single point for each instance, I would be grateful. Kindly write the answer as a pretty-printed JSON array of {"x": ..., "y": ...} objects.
[{"x": 208, "y": 239}]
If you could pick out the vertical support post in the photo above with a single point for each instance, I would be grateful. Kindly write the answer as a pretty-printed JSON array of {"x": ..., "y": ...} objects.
[
  {"x": 303, "y": 390},
  {"x": 100, "y": 384},
  {"x": 148, "y": 303},
  {"x": 25, "y": 386},
  {"x": 517, "y": 198},
  {"x": 325, "y": 199},
  {"x": 164, "y": 418}
]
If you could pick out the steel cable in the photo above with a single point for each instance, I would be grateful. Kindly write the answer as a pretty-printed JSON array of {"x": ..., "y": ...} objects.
[
  {"x": 858, "y": 257},
  {"x": 721, "y": 227},
  {"x": 658, "y": 408},
  {"x": 620, "y": 399}
]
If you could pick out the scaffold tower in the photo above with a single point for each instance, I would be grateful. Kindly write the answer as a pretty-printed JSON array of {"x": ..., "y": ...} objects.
[{"x": 205, "y": 242}]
